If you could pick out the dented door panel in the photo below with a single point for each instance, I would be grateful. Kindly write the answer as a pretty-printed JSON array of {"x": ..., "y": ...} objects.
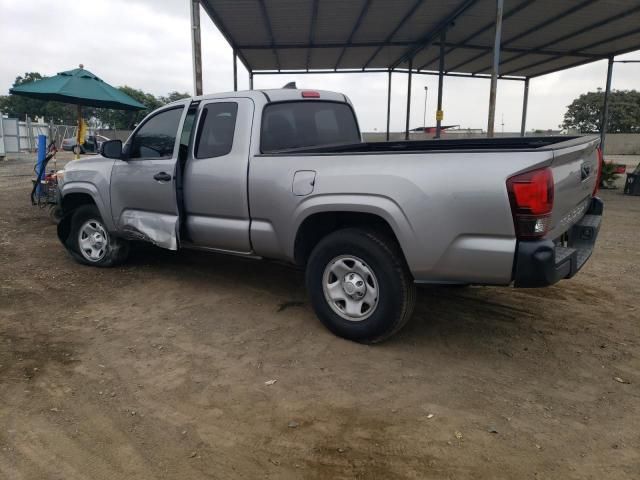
[{"x": 157, "y": 228}]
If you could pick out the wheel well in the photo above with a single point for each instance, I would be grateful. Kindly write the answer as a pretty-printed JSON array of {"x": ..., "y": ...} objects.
[
  {"x": 317, "y": 226},
  {"x": 72, "y": 201}
]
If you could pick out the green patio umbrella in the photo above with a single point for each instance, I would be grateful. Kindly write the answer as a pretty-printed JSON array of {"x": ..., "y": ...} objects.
[{"x": 79, "y": 87}]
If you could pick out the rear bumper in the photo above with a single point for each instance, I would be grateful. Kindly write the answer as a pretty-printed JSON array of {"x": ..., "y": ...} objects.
[{"x": 540, "y": 263}]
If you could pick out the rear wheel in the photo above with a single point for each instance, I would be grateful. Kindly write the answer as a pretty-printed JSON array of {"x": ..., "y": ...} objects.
[
  {"x": 360, "y": 286},
  {"x": 90, "y": 243}
]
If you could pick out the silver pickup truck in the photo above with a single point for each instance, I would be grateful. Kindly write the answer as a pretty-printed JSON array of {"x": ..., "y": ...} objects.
[{"x": 284, "y": 174}]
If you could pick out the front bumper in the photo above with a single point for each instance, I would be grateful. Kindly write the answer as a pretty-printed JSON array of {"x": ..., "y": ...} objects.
[{"x": 540, "y": 263}]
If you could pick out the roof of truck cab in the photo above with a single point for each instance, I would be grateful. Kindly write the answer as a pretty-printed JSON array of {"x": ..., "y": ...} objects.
[{"x": 275, "y": 95}]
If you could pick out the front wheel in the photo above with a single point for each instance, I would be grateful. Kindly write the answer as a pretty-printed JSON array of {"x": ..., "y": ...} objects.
[
  {"x": 90, "y": 243},
  {"x": 360, "y": 286}
]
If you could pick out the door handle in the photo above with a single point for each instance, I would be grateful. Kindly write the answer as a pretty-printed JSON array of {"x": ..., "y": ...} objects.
[{"x": 162, "y": 177}]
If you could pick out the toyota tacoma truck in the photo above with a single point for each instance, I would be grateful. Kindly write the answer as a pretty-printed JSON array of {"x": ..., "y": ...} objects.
[{"x": 284, "y": 174}]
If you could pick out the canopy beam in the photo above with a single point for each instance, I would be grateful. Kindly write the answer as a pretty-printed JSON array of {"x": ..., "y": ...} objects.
[
  {"x": 434, "y": 32},
  {"x": 363, "y": 13},
  {"x": 267, "y": 24},
  {"x": 612, "y": 38},
  {"x": 549, "y": 20},
  {"x": 404, "y": 20},
  {"x": 575, "y": 33},
  {"x": 485, "y": 28},
  {"x": 312, "y": 30},
  {"x": 220, "y": 25},
  {"x": 379, "y": 70},
  {"x": 451, "y": 45}
]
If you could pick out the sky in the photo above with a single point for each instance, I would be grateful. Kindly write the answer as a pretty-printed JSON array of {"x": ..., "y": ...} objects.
[{"x": 146, "y": 44}]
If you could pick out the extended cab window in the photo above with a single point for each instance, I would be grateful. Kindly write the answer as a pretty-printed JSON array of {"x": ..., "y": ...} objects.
[
  {"x": 307, "y": 123},
  {"x": 157, "y": 136},
  {"x": 215, "y": 132}
]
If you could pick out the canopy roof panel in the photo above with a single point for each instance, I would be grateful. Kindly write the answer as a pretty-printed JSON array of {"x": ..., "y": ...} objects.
[{"x": 538, "y": 37}]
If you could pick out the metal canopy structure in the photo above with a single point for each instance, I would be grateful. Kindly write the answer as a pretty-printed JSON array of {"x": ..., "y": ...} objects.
[{"x": 518, "y": 40}]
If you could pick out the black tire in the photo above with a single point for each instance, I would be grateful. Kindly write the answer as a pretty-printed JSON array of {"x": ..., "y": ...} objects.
[
  {"x": 116, "y": 249},
  {"x": 395, "y": 287}
]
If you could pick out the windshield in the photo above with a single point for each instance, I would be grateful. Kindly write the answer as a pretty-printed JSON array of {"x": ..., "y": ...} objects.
[{"x": 307, "y": 123}]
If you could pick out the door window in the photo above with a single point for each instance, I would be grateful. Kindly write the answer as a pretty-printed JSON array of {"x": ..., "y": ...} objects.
[
  {"x": 156, "y": 138},
  {"x": 215, "y": 132}
]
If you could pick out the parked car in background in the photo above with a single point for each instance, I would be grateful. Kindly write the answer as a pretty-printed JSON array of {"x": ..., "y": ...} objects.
[
  {"x": 92, "y": 143},
  {"x": 284, "y": 174}
]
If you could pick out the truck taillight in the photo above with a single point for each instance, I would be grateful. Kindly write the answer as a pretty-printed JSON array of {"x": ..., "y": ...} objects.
[
  {"x": 599, "y": 175},
  {"x": 531, "y": 198}
]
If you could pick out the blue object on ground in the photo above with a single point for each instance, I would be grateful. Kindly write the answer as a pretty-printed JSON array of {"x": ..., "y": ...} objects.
[{"x": 40, "y": 165}]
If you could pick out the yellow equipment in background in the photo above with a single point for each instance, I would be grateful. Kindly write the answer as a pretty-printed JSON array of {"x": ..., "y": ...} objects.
[{"x": 82, "y": 133}]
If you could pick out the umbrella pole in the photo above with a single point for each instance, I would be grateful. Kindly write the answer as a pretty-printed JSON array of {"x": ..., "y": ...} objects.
[{"x": 78, "y": 132}]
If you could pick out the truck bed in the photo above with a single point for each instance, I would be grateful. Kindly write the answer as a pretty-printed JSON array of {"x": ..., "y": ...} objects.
[
  {"x": 462, "y": 144},
  {"x": 453, "y": 227}
]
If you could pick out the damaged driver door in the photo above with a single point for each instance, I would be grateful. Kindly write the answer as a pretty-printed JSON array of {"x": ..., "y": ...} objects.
[{"x": 143, "y": 183}]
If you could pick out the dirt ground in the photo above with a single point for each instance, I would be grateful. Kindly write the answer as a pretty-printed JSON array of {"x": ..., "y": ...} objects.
[{"x": 160, "y": 369}]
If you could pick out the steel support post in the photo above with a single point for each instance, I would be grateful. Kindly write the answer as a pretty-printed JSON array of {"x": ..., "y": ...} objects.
[
  {"x": 439, "y": 115},
  {"x": 235, "y": 71},
  {"x": 525, "y": 102},
  {"x": 605, "y": 110},
  {"x": 494, "y": 69},
  {"x": 250, "y": 80},
  {"x": 196, "y": 47},
  {"x": 406, "y": 127},
  {"x": 388, "y": 104}
]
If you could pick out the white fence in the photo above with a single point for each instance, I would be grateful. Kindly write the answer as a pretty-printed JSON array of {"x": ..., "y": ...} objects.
[{"x": 17, "y": 136}]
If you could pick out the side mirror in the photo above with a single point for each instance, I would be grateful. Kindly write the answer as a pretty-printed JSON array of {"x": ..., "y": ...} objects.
[{"x": 111, "y": 149}]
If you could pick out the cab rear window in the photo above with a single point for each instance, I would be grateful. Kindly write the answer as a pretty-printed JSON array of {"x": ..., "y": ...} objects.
[{"x": 305, "y": 123}]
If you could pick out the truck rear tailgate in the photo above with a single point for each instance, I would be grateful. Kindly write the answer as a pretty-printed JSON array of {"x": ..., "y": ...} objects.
[
  {"x": 575, "y": 173},
  {"x": 575, "y": 218}
]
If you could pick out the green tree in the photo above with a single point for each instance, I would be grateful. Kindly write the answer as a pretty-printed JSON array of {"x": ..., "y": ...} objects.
[
  {"x": 125, "y": 119},
  {"x": 61, "y": 113},
  {"x": 17, "y": 106},
  {"x": 5, "y": 103},
  {"x": 585, "y": 112},
  {"x": 174, "y": 96}
]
